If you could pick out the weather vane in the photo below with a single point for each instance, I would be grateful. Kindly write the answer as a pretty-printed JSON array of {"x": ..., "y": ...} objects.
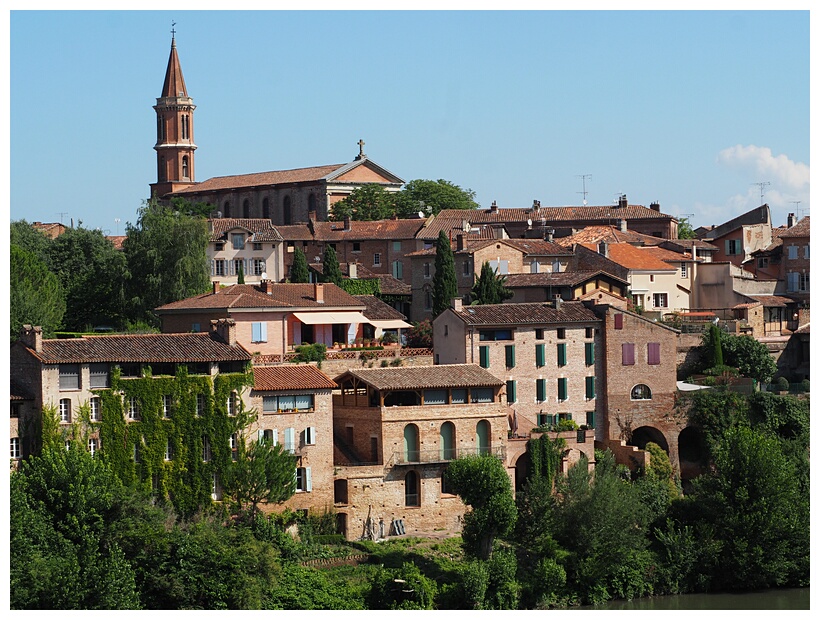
[{"x": 173, "y": 32}]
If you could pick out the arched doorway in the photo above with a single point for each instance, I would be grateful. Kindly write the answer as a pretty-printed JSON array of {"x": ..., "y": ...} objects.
[
  {"x": 447, "y": 441},
  {"x": 644, "y": 434},
  {"x": 482, "y": 437},
  {"x": 411, "y": 443},
  {"x": 522, "y": 471}
]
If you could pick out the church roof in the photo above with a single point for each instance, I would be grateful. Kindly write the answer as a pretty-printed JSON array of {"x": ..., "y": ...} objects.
[{"x": 174, "y": 85}]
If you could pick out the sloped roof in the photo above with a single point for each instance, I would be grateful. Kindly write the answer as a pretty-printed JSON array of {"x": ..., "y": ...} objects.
[
  {"x": 801, "y": 229},
  {"x": 365, "y": 230},
  {"x": 174, "y": 85},
  {"x": 610, "y": 234},
  {"x": 261, "y": 229},
  {"x": 804, "y": 329},
  {"x": 771, "y": 301},
  {"x": 375, "y": 308},
  {"x": 248, "y": 296},
  {"x": 528, "y": 247},
  {"x": 295, "y": 232},
  {"x": 638, "y": 258},
  {"x": 420, "y": 377},
  {"x": 290, "y": 377},
  {"x": 562, "y": 278},
  {"x": 687, "y": 244},
  {"x": 525, "y": 314},
  {"x": 145, "y": 348},
  {"x": 758, "y": 215},
  {"x": 116, "y": 240}
]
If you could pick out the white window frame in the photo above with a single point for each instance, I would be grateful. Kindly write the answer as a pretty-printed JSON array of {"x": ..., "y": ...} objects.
[
  {"x": 232, "y": 405},
  {"x": 806, "y": 252},
  {"x": 655, "y": 298},
  {"x": 133, "y": 408},
  {"x": 259, "y": 331},
  {"x": 290, "y": 440},
  {"x": 377, "y": 259},
  {"x": 200, "y": 404},
  {"x": 684, "y": 270},
  {"x": 95, "y": 405},
  {"x": 65, "y": 410},
  {"x": 219, "y": 267},
  {"x": 310, "y": 436},
  {"x": 234, "y": 444},
  {"x": 14, "y": 445},
  {"x": 166, "y": 405},
  {"x": 169, "y": 450},
  {"x": 258, "y": 266},
  {"x": 93, "y": 445},
  {"x": 206, "y": 449},
  {"x": 304, "y": 480}
]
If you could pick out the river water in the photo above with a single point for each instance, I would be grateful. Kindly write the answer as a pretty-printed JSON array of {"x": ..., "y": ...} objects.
[{"x": 788, "y": 599}]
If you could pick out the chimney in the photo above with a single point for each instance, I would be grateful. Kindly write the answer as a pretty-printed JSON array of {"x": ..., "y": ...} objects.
[
  {"x": 319, "y": 292},
  {"x": 622, "y": 225},
  {"x": 267, "y": 287},
  {"x": 457, "y": 304},
  {"x": 549, "y": 232},
  {"x": 460, "y": 243},
  {"x": 225, "y": 329},
  {"x": 32, "y": 337},
  {"x": 558, "y": 302},
  {"x": 622, "y": 201},
  {"x": 536, "y": 205},
  {"x": 494, "y": 207},
  {"x": 352, "y": 271},
  {"x": 655, "y": 206},
  {"x": 346, "y": 223},
  {"x": 603, "y": 249},
  {"x": 791, "y": 220},
  {"x": 215, "y": 284}
]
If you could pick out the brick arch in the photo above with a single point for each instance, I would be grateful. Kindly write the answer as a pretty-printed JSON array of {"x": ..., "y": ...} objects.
[
  {"x": 644, "y": 434},
  {"x": 521, "y": 469}
]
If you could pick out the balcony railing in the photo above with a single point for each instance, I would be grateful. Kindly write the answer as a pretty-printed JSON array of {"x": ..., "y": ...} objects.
[{"x": 415, "y": 457}]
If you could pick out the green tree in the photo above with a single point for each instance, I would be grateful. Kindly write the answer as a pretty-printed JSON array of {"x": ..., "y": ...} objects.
[
  {"x": 166, "y": 256},
  {"x": 489, "y": 287},
  {"x": 93, "y": 275},
  {"x": 483, "y": 484},
  {"x": 368, "y": 202},
  {"x": 263, "y": 472},
  {"x": 420, "y": 335},
  {"x": 299, "y": 270},
  {"x": 402, "y": 588},
  {"x": 31, "y": 239},
  {"x": 36, "y": 297},
  {"x": 717, "y": 348},
  {"x": 445, "y": 285},
  {"x": 331, "y": 272},
  {"x": 431, "y": 197},
  {"x": 685, "y": 230},
  {"x": 240, "y": 275},
  {"x": 749, "y": 356},
  {"x": 196, "y": 209}
]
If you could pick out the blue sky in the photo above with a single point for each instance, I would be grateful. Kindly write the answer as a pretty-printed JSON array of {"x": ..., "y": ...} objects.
[{"x": 689, "y": 109}]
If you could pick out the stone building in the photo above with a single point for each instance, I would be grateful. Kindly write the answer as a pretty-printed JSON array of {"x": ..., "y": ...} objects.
[
  {"x": 741, "y": 236},
  {"x": 395, "y": 431},
  {"x": 294, "y": 408},
  {"x": 796, "y": 263},
  {"x": 252, "y": 245}
]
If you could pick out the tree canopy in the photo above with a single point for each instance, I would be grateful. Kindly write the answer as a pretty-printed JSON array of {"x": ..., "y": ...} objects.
[
  {"x": 36, "y": 296},
  {"x": 263, "y": 472},
  {"x": 685, "y": 230},
  {"x": 445, "y": 285},
  {"x": 368, "y": 202},
  {"x": 489, "y": 287},
  {"x": 331, "y": 271},
  {"x": 299, "y": 270},
  {"x": 748, "y": 355}
]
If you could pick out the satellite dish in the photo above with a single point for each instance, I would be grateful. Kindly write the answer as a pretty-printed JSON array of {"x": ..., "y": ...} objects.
[
  {"x": 421, "y": 214},
  {"x": 264, "y": 275},
  {"x": 529, "y": 222},
  {"x": 465, "y": 226}
]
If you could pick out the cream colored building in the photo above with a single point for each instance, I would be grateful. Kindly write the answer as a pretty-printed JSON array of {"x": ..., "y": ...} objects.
[{"x": 252, "y": 245}]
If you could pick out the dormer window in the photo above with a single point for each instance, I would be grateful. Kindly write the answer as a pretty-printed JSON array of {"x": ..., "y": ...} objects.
[{"x": 238, "y": 241}]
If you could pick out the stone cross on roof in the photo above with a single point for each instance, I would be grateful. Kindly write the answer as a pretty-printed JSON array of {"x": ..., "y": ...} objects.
[{"x": 361, "y": 149}]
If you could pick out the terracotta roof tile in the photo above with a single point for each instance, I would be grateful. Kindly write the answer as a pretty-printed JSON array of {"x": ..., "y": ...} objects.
[
  {"x": 771, "y": 301},
  {"x": 116, "y": 240},
  {"x": 251, "y": 296},
  {"x": 364, "y": 230},
  {"x": 261, "y": 229},
  {"x": 529, "y": 247},
  {"x": 290, "y": 377},
  {"x": 638, "y": 258},
  {"x": 527, "y": 313},
  {"x": 295, "y": 232},
  {"x": 415, "y": 377},
  {"x": 610, "y": 234},
  {"x": 375, "y": 308},
  {"x": 801, "y": 229},
  {"x": 274, "y": 177},
  {"x": 563, "y": 278},
  {"x": 146, "y": 348}
]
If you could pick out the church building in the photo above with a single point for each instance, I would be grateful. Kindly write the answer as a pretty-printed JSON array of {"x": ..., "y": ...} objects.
[{"x": 282, "y": 196}]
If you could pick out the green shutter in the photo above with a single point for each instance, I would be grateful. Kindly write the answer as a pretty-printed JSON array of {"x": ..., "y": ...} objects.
[
  {"x": 511, "y": 391},
  {"x": 541, "y": 389},
  {"x": 484, "y": 356},
  {"x": 589, "y": 351},
  {"x": 591, "y": 419},
  {"x": 590, "y": 387},
  {"x": 509, "y": 351},
  {"x": 562, "y": 389},
  {"x": 562, "y": 354},
  {"x": 539, "y": 355}
]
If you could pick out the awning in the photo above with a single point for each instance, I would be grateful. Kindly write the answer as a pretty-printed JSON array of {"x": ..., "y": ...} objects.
[
  {"x": 389, "y": 324},
  {"x": 328, "y": 318}
]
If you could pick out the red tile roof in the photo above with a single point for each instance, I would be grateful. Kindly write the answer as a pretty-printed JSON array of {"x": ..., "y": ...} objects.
[
  {"x": 771, "y": 301},
  {"x": 286, "y": 296},
  {"x": 419, "y": 377},
  {"x": 146, "y": 348},
  {"x": 526, "y": 313},
  {"x": 610, "y": 234},
  {"x": 528, "y": 247},
  {"x": 290, "y": 377},
  {"x": 375, "y": 308},
  {"x": 639, "y": 258},
  {"x": 275, "y": 177},
  {"x": 261, "y": 229},
  {"x": 563, "y": 278},
  {"x": 365, "y": 230},
  {"x": 116, "y": 240},
  {"x": 801, "y": 229}
]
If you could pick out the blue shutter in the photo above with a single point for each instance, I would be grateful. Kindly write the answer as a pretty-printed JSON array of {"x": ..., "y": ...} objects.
[{"x": 256, "y": 332}]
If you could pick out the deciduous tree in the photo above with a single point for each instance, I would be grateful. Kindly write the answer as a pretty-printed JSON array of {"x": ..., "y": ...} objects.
[
  {"x": 431, "y": 197},
  {"x": 263, "y": 472},
  {"x": 368, "y": 202}
]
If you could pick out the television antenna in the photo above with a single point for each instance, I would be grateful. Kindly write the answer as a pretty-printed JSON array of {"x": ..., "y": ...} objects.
[
  {"x": 762, "y": 185},
  {"x": 61, "y": 216},
  {"x": 797, "y": 208},
  {"x": 117, "y": 221},
  {"x": 584, "y": 178}
]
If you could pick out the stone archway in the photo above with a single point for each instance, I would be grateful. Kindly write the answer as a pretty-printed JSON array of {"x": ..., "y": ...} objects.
[{"x": 644, "y": 434}]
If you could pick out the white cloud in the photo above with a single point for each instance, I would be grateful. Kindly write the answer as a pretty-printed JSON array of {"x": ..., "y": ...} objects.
[{"x": 787, "y": 175}]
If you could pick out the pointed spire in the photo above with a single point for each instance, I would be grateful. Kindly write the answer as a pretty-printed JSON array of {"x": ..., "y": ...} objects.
[{"x": 174, "y": 85}]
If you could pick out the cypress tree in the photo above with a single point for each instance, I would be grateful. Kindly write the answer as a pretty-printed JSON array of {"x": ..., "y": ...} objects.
[
  {"x": 331, "y": 272},
  {"x": 299, "y": 270},
  {"x": 240, "y": 276},
  {"x": 445, "y": 285}
]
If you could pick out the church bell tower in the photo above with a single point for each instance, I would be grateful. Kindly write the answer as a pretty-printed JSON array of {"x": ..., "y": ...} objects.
[{"x": 175, "y": 131}]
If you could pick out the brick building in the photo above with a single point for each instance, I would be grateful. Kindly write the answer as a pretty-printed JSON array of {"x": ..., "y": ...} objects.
[
  {"x": 253, "y": 245},
  {"x": 796, "y": 263},
  {"x": 741, "y": 236},
  {"x": 395, "y": 431}
]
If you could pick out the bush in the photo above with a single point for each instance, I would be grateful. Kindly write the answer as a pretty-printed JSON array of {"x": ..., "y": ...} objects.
[
  {"x": 782, "y": 384},
  {"x": 804, "y": 385},
  {"x": 420, "y": 336},
  {"x": 311, "y": 353}
]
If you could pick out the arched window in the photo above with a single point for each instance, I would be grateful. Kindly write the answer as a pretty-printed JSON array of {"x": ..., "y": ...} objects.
[
  {"x": 311, "y": 202},
  {"x": 184, "y": 166},
  {"x": 161, "y": 169},
  {"x": 482, "y": 437},
  {"x": 265, "y": 209},
  {"x": 246, "y": 208},
  {"x": 286, "y": 210},
  {"x": 226, "y": 209},
  {"x": 160, "y": 128},
  {"x": 411, "y": 489},
  {"x": 447, "y": 441},
  {"x": 184, "y": 126},
  {"x": 411, "y": 443},
  {"x": 641, "y": 392}
]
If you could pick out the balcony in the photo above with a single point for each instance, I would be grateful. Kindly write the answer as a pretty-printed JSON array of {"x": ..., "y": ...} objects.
[{"x": 418, "y": 457}]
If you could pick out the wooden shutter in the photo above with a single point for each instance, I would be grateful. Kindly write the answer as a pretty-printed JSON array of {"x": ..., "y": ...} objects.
[
  {"x": 511, "y": 391},
  {"x": 539, "y": 355},
  {"x": 562, "y": 354},
  {"x": 562, "y": 389},
  {"x": 590, "y": 388},
  {"x": 308, "y": 480},
  {"x": 619, "y": 321},
  {"x": 509, "y": 352},
  {"x": 628, "y": 354},
  {"x": 484, "y": 356},
  {"x": 541, "y": 389},
  {"x": 653, "y": 353}
]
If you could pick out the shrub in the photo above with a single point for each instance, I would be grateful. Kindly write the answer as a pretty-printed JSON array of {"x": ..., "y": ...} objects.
[
  {"x": 782, "y": 384},
  {"x": 804, "y": 385},
  {"x": 311, "y": 353}
]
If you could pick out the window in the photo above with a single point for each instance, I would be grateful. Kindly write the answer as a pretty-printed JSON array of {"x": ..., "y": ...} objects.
[
  {"x": 482, "y": 437},
  {"x": 304, "y": 482},
  {"x": 411, "y": 443},
  {"x": 447, "y": 441},
  {"x": 65, "y": 410},
  {"x": 762, "y": 262},
  {"x": 398, "y": 269},
  {"x": 265, "y": 209},
  {"x": 562, "y": 354},
  {"x": 290, "y": 440},
  {"x": 312, "y": 202},
  {"x": 562, "y": 389},
  {"x": 226, "y": 208},
  {"x": 136, "y": 453},
  {"x": 377, "y": 259},
  {"x": 185, "y": 127},
  {"x": 426, "y": 270},
  {"x": 160, "y": 130},
  {"x": 184, "y": 166},
  {"x": 660, "y": 300},
  {"x": 589, "y": 332},
  {"x": 237, "y": 265},
  {"x": 651, "y": 277},
  {"x": 238, "y": 241},
  {"x": 233, "y": 403},
  {"x": 481, "y": 395},
  {"x": 397, "y": 246},
  {"x": 534, "y": 266},
  {"x": 411, "y": 489},
  {"x": 628, "y": 354},
  {"x": 509, "y": 355},
  {"x": 590, "y": 387},
  {"x": 278, "y": 404},
  {"x": 15, "y": 447},
  {"x": 428, "y": 301},
  {"x": 234, "y": 443},
  {"x": 258, "y": 263},
  {"x": 98, "y": 375},
  {"x": 286, "y": 219},
  {"x": 357, "y": 246},
  {"x": 591, "y": 419},
  {"x": 269, "y": 436},
  {"x": 619, "y": 321},
  {"x": 219, "y": 267},
  {"x": 539, "y": 334},
  {"x": 133, "y": 408},
  {"x": 501, "y": 267},
  {"x": 169, "y": 450},
  {"x": 511, "y": 392},
  {"x": 733, "y": 247},
  {"x": 589, "y": 353},
  {"x": 653, "y": 353},
  {"x": 93, "y": 445},
  {"x": 540, "y": 390},
  {"x": 246, "y": 208},
  {"x": 806, "y": 251},
  {"x": 641, "y": 392},
  {"x": 458, "y": 396},
  {"x": 803, "y": 282},
  {"x": 200, "y": 404},
  {"x": 310, "y": 436},
  {"x": 561, "y": 333},
  {"x": 69, "y": 376},
  {"x": 465, "y": 267},
  {"x": 206, "y": 449},
  {"x": 494, "y": 334},
  {"x": 435, "y": 397},
  {"x": 166, "y": 406},
  {"x": 259, "y": 332},
  {"x": 683, "y": 270},
  {"x": 216, "y": 489},
  {"x": 95, "y": 408},
  {"x": 540, "y": 355},
  {"x": 792, "y": 252}
]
